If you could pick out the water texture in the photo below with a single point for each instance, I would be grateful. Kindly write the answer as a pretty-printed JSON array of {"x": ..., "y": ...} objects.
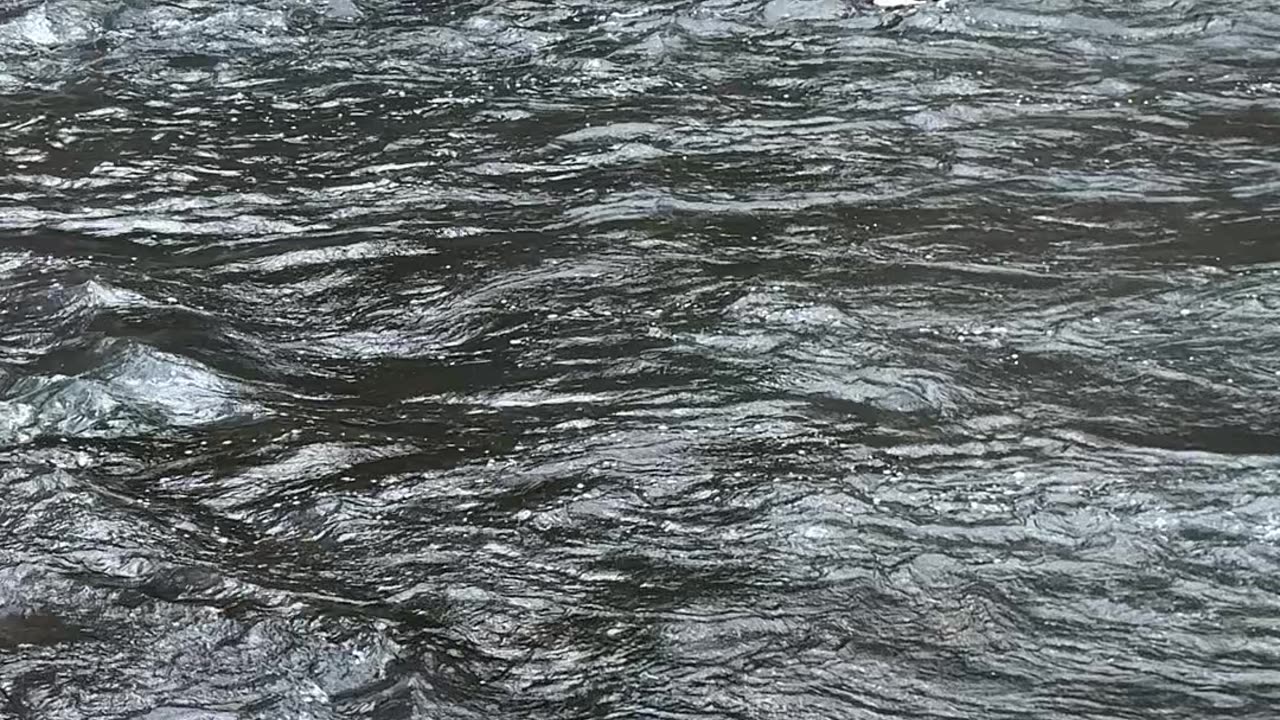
[{"x": 704, "y": 359}]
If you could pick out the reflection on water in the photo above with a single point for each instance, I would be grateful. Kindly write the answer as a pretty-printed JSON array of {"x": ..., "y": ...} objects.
[{"x": 710, "y": 359}]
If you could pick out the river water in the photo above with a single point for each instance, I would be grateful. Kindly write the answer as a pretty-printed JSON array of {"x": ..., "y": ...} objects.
[{"x": 710, "y": 359}]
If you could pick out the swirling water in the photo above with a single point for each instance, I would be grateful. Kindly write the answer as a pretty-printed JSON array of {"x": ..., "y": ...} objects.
[{"x": 598, "y": 359}]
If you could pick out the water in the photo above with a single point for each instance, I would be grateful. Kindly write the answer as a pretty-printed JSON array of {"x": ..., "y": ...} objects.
[{"x": 590, "y": 359}]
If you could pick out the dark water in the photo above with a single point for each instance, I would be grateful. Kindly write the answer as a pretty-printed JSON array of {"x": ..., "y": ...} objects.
[{"x": 590, "y": 359}]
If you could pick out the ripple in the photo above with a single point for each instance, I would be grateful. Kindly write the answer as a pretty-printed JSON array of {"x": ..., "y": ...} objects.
[
  {"x": 129, "y": 389},
  {"x": 715, "y": 359}
]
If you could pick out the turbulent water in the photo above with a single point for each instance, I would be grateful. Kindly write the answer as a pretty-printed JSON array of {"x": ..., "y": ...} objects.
[{"x": 600, "y": 359}]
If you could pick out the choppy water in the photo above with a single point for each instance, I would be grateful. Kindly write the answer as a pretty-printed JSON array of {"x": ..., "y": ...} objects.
[{"x": 589, "y": 359}]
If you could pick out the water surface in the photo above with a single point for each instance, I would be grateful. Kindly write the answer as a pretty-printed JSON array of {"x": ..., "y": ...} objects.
[{"x": 710, "y": 359}]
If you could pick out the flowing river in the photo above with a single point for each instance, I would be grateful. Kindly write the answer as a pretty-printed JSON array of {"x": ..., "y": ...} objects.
[{"x": 654, "y": 360}]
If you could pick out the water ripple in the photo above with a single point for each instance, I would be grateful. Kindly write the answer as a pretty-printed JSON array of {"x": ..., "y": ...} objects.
[{"x": 714, "y": 359}]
